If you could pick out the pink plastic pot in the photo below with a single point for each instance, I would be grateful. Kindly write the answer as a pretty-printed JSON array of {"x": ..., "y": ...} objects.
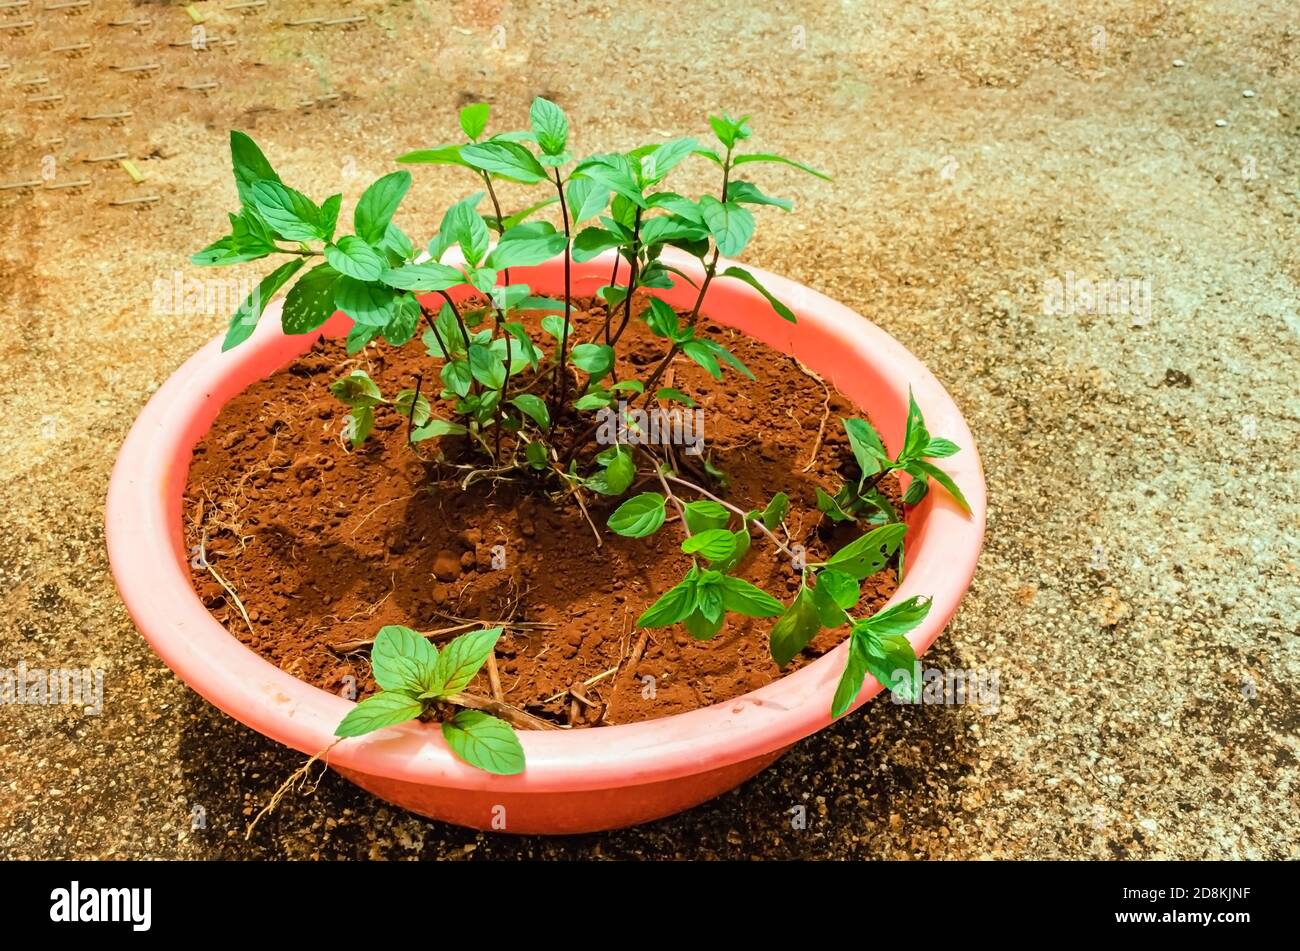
[{"x": 577, "y": 781}]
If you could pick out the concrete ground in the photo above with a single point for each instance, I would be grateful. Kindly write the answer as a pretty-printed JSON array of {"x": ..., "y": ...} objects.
[{"x": 993, "y": 161}]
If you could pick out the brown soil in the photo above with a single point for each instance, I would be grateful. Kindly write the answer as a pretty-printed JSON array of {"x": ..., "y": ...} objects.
[{"x": 324, "y": 546}]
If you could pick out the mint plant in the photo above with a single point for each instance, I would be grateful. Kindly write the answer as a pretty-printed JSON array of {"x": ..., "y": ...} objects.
[
  {"x": 417, "y": 680},
  {"x": 522, "y": 392}
]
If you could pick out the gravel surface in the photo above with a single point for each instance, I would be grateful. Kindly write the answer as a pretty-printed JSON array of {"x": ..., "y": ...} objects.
[{"x": 1138, "y": 593}]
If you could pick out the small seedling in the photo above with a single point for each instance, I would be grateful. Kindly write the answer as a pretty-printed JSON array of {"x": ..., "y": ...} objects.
[
  {"x": 521, "y": 390},
  {"x": 417, "y": 680}
]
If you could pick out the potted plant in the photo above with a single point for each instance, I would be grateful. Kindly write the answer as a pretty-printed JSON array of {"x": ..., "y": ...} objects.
[{"x": 550, "y": 361}]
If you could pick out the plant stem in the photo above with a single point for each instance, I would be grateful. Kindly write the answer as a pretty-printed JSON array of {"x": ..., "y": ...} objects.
[
  {"x": 415, "y": 402},
  {"x": 681, "y": 509},
  {"x": 741, "y": 512},
  {"x": 631, "y": 280},
  {"x": 709, "y": 270},
  {"x": 496, "y": 206},
  {"x": 498, "y": 708},
  {"x": 561, "y": 384},
  {"x": 613, "y": 279},
  {"x": 460, "y": 321}
]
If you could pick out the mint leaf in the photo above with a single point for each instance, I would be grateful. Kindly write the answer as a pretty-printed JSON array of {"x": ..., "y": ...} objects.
[
  {"x": 534, "y": 407},
  {"x": 944, "y": 480},
  {"x": 769, "y": 157},
  {"x": 378, "y": 203},
  {"x": 289, "y": 213},
  {"x": 244, "y": 322},
  {"x": 381, "y": 710},
  {"x": 744, "y": 598},
  {"x": 855, "y": 672},
  {"x": 484, "y": 741},
  {"x": 353, "y": 257},
  {"x": 730, "y": 225},
  {"x": 507, "y": 159},
  {"x": 402, "y": 659},
  {"x": 740, "y": 274},
  {"x": 867, "y": 448},
  {"x": 249, "y": 165},
  {"x": 437, "y": 427},
  {"x": 429, "y": 276},
  {"x": 310, "y": 302},
  {"x": 550, "y": 125},
  {"x": 461, "y": 659},
  {"x": 868, "y": 554},
  {"x": 714, "y": 544},
  {"x": 705, "y": 514},
  {"x": 366, "y": 302},
  {"x": 639, "y": 516},
  {"x": 795, "y": 629},
  {"x": 474, "y": 119}
]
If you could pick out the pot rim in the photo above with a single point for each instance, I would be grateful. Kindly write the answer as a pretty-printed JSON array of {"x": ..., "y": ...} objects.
[{"x": 150, "y": 567}]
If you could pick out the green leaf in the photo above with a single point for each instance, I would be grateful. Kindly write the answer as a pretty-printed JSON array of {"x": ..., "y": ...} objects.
[
  {"x": 474, "y": 118},
  {"x": 443, "y": 155},
  {"x": 377, "y": 205},
  {"x": 486, "y": 367},
  {"x": 750, "y": 194},
  {"x": 697, "y": 351},
  {"x": 714, "y": 544},
  {"x": 867, "y": 448},
  {"x": 435, "y": 428},
  {"x": 353, "y": 257},
  {"x": 310, "y": 302},
  {"x": 587, "y": 198},
  {"x": 381, "y": 710},
  {"x": 940, "y": 449},
  {"x": 639, "y": 516},
  {"x": 523, "y": 247},
  {"x": 289, "y": 213},
  {"x": 592, "y": 242},
  {"x": 244, "y": 322},
  {"x": 700, "y": 627},
  {"x": 329, "y": 215},
  {"x": 855, "y": 671},
  {"x": 461, "y": 659},
  {"x": 663, "y": 320},
  {"x": 944, "y": 480},
  {"x": 705, "y": 514},
  {"x": 832, "y": 507},
  {"x": 898, "y": 618},
  {"x": 402, "y": 325},
  {"x": 744, "y": 598},
  {"x": 402, "y": 659},
  {"x": 356, "y": 389},
  {"x": 554, "y": 325},
  {"x": 891, "y": 660},
  {"x": 359, "y": 336},
  {"x": 484, "y": 741},
  {"x": 535, "y": 452},
  {"x": 358, "y": 425},
  {"x": 534, "y": 407},
  {"x": 412, "y": 407},
  {"x": 730, "y": 224},
  {"x": 740, "y": 274},
  {"x": 507, "y": 159},
  {"x": 769, "y": 157},
  {"x": 795, "y": 629},
  {"x": 728, "y": 130},
  {"x": 365, "y": 302},
  {"x": 916, "y": 437},
  {"x": 671, "y": 607},
  {"x": 249, "y": 165},
  {"x": 776, "y": 511},
  {"x": 429, "y": 276},
  {"x": 593, "y": 358},
  {"x": 463, "y": 225},
  {"x": 842, "y": 588},
  {"x": 868, "y": 554},
  {"x": 549, "y": 125},
  {"x": 677, "y": 396},
  {"x": 618, "y": 473},
  {"x": 614, "y": 173},
  {"x": 666, "y": 157},
  {"x": 917, "y": 488}
]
